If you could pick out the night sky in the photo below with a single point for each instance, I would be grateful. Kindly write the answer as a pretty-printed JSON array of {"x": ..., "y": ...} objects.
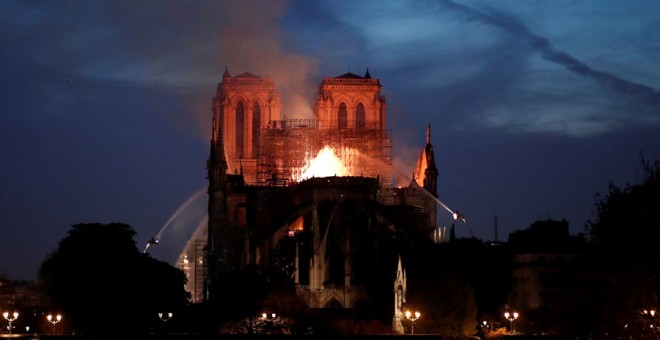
[{"x": 105, "y": 106}]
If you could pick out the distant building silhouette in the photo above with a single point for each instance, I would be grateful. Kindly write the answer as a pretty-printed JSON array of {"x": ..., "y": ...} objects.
[{"x": 548, "y": 270}]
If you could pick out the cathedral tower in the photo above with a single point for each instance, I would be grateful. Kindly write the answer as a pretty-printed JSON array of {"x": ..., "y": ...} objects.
[
  {"x": 351, "y": 111},
  {"x": 244, "y": 104},
  {"x": 241, "y": 105},
  {"x": 351, "y": 102}
]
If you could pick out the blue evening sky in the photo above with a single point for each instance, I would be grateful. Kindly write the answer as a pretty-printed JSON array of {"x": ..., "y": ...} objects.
[{"x": 535, "y": 106}]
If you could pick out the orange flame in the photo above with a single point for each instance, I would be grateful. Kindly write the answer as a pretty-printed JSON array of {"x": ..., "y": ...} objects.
[{"x": 325, "y": 164}]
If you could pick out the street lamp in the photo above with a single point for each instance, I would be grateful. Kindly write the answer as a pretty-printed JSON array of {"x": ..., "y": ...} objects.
[
  {"x": 485, "y": 326},
  {"x": 651, "y": 314},
  {"x": 265, "y": 315},
  {"x": 10, "y": 318},
  {"x": 412, "y": 319},
  {"x": 511, "y": 317},
  {"x": 165, "y": 317},
  {"x": 54, "y": 320},
  {"x": 269, "y": 323}
]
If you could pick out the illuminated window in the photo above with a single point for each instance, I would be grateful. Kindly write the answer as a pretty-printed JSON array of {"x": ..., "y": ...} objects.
[{"x": 342, "y": 117}]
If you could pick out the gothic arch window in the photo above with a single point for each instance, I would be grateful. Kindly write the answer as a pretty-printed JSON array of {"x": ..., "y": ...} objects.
[
  {"x": 360, "y": 117},
  {"x": 333, "y": 303},
  {"x": 342, "y": 117},
  {"x": 256, "y": 123},
  {"x": 240, "y": 129}
]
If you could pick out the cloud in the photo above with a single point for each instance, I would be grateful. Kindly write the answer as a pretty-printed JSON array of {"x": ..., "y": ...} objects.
[
  {"x": 176, "y": 48},
  {"x": 521, "y": 67},
  {"x": 627, "y": 95}
]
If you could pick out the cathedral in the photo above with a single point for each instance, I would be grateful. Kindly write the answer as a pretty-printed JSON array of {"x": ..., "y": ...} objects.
[{"x": 311, "y": 199}]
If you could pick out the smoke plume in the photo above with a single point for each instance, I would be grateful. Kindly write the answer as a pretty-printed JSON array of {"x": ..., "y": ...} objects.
[{"x": 252, "y": 41}]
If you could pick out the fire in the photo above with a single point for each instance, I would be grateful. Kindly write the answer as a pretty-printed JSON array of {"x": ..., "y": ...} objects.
[
  {"x": 296, "y": 226},
  {"x": 325, "y": 164}
]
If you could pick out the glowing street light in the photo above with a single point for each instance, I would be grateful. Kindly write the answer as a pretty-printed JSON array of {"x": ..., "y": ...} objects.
[
  {"x": 651, "y": 317},
  {"x": 54, "y": 320},
  {"x": 165, "y": 317},
  {"x": 412, "y": 319},
  {"x": 10, "y": 318},
  {"x": 511, "y": 317},
  {"x": 265, "y": 315},
  {"x": 269, "y": 323},
  {"x": 485, "y": 326}
]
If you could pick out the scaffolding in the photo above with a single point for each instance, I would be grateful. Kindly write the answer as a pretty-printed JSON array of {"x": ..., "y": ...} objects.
[
  {"x": 194, "y": 264},
  {"x": 287, "y": 147},
  {"x": 201, "y": 271}
]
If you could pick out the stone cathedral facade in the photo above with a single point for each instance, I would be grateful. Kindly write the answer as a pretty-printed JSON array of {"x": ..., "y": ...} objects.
[{"x": 328, "y": 234}]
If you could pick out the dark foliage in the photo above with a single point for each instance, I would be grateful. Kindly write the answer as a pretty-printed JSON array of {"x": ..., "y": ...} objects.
[
  {"x": 105, "y": 285},
  {"x": 626, "y": 244}
]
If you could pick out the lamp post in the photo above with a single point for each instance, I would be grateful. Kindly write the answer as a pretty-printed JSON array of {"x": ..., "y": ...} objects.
[
  {"x": 650, "y": 312},
  {"x": 265, "y": 315},
  {"x": 651, "y": 315},
  {"x": 269, "y": 323},
  {"x": 511, "y": 317},
  {"x": 165, "y": 316},
  {"x": 484, "y": 327},
  {"x": 10, "y": 318},
  {"x": 412, "y": 319},
  {"x": 54, "y": 320}
]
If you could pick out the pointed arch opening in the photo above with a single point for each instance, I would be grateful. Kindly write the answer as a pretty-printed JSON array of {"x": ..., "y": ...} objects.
[
  {"x": 256, "y": 124},
  {"x": 333, "y": 304},
  {"x": 342, "y": 116},
  {"x": 360, "y": 117},
  {"x": 240, "y": 130}
]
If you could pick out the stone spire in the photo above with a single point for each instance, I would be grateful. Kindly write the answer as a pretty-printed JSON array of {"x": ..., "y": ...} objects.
[
  {"x": 428, "y": 134},
  {"x": 399, "y": 298},
  {"x": 426, "y": 172},
  {"x": 431, "y": 171}
]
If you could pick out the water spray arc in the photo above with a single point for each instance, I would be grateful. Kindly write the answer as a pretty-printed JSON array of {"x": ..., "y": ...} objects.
[
  {"x": 455, "y": 214},
  {"x": 156, "y": 239}
]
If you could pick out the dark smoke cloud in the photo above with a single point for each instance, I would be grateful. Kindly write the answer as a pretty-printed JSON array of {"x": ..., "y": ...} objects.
[
  {"x": 179, "y": 46},
  {"x": 252, "y": 41},
  {"x": 626, "y": 88}
]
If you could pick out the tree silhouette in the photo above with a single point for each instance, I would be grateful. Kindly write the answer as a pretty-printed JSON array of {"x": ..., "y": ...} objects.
[
  {"x": 105, "y": 285},
  {"x": 626, "y": 242}
]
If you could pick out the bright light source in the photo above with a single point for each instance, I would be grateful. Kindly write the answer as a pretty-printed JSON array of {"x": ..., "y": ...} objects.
[{"x": 326, "y": 164}]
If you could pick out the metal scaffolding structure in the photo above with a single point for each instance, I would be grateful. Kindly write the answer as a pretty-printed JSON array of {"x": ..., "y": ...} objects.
[{"x": 286, "y": 147}]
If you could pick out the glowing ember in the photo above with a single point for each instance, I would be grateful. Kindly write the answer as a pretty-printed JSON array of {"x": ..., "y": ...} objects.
[{"x": 325, "y": 164}]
